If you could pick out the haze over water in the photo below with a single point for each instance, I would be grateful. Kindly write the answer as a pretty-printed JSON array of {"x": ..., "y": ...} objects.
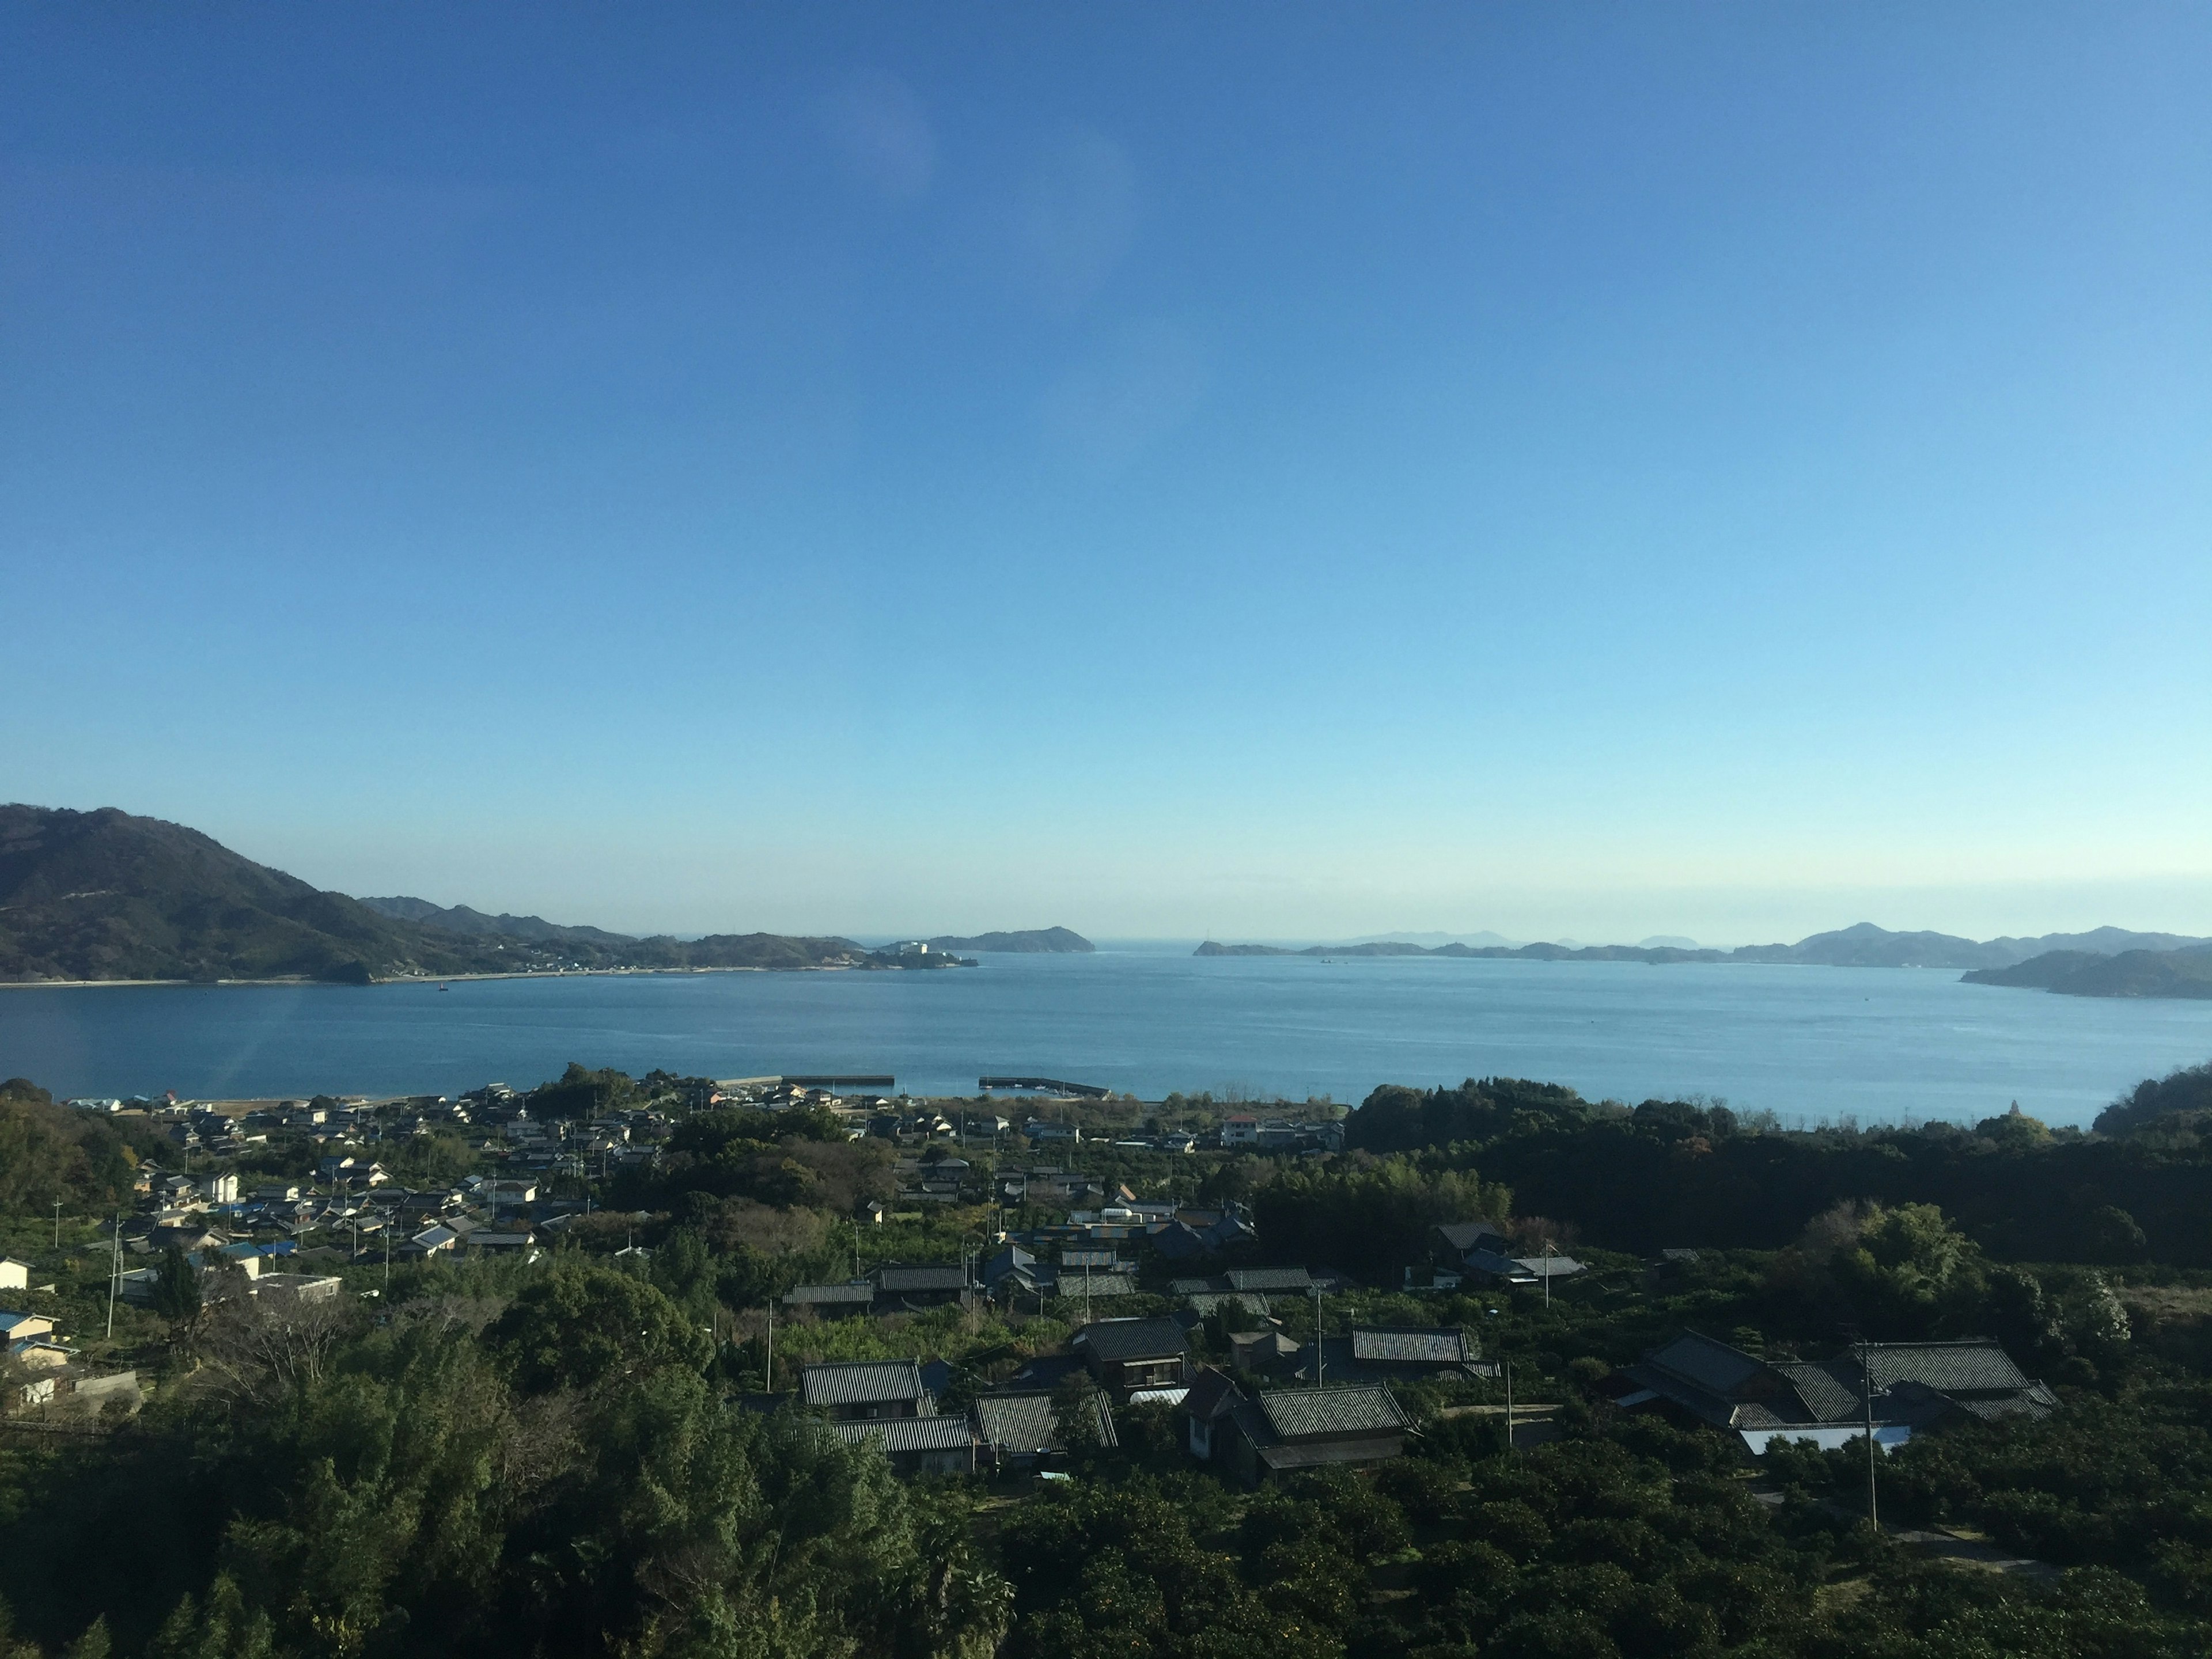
[{"x": 1808, "y": 1043}]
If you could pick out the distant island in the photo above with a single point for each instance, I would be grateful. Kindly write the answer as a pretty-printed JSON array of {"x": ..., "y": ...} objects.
[
  {"x": 107, "y": 896},
  {"x": 2180, "y": 973},
  {"x": 1036, "y": 941},
  {"x": 2105, "y": 962}
]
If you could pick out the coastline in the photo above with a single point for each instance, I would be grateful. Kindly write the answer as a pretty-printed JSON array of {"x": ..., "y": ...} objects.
[{"x": 405, "y": 979}]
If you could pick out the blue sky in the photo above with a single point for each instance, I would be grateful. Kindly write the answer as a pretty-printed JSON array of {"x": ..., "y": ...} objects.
[{"x": 1284, "y": 471}]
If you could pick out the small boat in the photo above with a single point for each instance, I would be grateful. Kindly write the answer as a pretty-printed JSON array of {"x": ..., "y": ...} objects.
[{"x": 441, "y": 987}]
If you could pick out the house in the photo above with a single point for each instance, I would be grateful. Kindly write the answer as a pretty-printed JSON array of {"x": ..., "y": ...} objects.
[
  {"x": 856, "y": 1297},
  {"x": 22, "y": 1327},
  {"x": 1916, "y": 1386},
  {"x": 1281, "y": 1430},
  {"x": 1250, "y": 1286},
  {"x": 1240, "y": 1130},
  {"x": 15, "y": 1275},
  {"x": 219, "y": 1188},
  {"x": 915, "y": 1445},
  {"x": 1396, "y": 1353},
  {"x": 1020, "y": 1431},
  {"x": 297, "y": 1288},
  {"x": 1124, "y": 1354},
  {"x": 862, "y": 1391},
  {"x": 485, "y": 1242},
  {"x": 928, "y": 1286},
  {"x": 1454, "y": 1242},
  {"x": 1523, "y": 1272}
]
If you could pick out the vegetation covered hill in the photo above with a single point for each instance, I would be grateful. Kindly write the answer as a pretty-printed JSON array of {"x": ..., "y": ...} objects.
[
  {"x": 108, "y": 896},
  {"x": 1033, "y": 941},
  {"x": 460, "y": 919},
  {"x": 2131, "y": 974},
  {"x": 104, "y": 895}
]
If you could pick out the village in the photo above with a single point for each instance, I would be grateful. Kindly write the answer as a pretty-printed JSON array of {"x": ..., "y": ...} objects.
[{"x": 1117, "y": 1287}]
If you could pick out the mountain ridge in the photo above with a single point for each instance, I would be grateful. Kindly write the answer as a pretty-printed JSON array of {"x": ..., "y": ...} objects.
[{"x": 108, "y": 896}]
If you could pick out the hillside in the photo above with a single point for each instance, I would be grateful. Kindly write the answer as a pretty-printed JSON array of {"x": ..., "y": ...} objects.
[
  {"x": 104, "y": 895},
  {"x": 475, "y": 924},
  {"x": 1036, "y": 941},
  {"x": 2184, "y": 974},
  {"x": 108, "y": 896}
]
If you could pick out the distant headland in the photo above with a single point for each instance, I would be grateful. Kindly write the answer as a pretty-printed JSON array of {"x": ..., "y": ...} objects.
[{"x": 106, "y": 897}]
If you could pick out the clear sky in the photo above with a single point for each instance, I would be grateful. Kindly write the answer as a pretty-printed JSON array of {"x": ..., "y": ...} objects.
[{"x": 1260, "y": 471}]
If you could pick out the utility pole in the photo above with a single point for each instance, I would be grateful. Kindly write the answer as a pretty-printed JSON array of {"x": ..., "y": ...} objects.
[
  {"x": 1509, "y": 1404},
  {"x": 1318, "y": 1362},
  {"x": 771, "y": 1343},
  {"x": 57, "y": 1223},
  {"x": 115, "y": 1275},
  {"x": 1866, "y": 1373}
]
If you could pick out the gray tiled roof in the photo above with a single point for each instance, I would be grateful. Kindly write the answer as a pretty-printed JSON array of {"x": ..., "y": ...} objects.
[
  {"x": 1294, "y": 1414},
  {"x": 1703, "y": 1360},
  {"x": 1828, "y": 1398},
  {"x": 899, "y": 1281},
  {"x": 1197, "y": 1286},
  {"x": 1114, "y": 1339},
  {"x": 819, "y": 1295},
  {"x": 1465, "y": 1235},
  {"x": 1420, "y": 1345},
  {"x": 909, "y": 1434},
  {"x": 1269, "y": 1278},
  {"x": 1025, "y": 1423},
  {"x": 1949, "y": 1367},
  {"x": 1308, "y": 1454},
  {"x": 863, "y": 1382},
  {"x": 1075, "y": 1286}
]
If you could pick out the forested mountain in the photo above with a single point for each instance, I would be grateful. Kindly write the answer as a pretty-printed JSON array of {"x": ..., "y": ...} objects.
[
  {"x": 1034, "y": 941},
  {"x": 460, "y": 919},
  {"x": 106, "y": 895},
  {"x": 2131, "y": 974}
]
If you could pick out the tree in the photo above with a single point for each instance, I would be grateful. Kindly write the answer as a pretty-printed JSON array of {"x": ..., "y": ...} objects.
[
  {"x": 582, "y": 1324},
  {"x": 176, "y": 1289}
]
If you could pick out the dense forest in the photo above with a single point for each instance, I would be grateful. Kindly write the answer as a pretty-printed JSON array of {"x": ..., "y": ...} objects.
[{"x": 581, "y": 1454}]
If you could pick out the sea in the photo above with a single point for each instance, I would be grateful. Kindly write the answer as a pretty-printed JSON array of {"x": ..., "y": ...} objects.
[{"x": 1873, "y": 1045}]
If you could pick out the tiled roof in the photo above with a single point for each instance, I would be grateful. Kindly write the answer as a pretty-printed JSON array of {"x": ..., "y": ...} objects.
[
  {"x": 1828, "y": 1397},
  {"x": 1213, "y": 1394},
  {"x": 1114, "y": 1339},
  {"x": 1703, "y": 1360},
  {"x": 1558, "y": 1267},
  {"x": 1300, "y": 1454},
  {"x": 1077, "y": 1286},
  {"x": 1949, "y": 1367},
  {"x": 909, "y": 1434},
  {"x": 1420, "y": 1345},
  {"x": 898, "y": 1281},
  {"x": 814, "y": 1295},
  {"x": 1027, "y": 1422},
  {"x": 1089, "y": 1258},
  {"x": 1295, "y": 1414},
  {"x": 1196, "y": 1286},
  {"x": 1269, "y": 1278},
  {"x": 862, "y": 1382},
  {"x": 1465, "y": 1235}
]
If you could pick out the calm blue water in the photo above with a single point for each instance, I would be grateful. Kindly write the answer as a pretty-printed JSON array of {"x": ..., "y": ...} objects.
[{"x": 1807, "y": 1042}]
